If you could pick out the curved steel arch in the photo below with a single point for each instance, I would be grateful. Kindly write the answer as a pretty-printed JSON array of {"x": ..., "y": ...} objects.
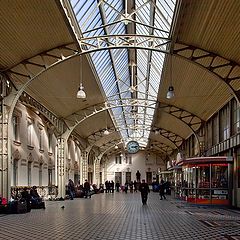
[
  {"x": 41, "y": 63},
  {"x": 191, "y": 120},
  {"x": 172, "y": 137},
  {"x": 166, "y": 152},
  {"x": 224, "y": 69}
]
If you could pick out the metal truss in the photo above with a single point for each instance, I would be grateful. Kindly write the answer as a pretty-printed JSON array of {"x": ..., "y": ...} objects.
[
  {"x": 226, "y": 70},
  {"x": 25, "y": 72},
  {"x": 110, "y": 144},
  {"x": 173, "y": 137},
  {"x": 192, "y": 121},
  {"x": 162, "y": 147},
  {"x": 78, "y": 117},
  {"x": 96, "y": 136},
  {"x": 106, "y": 42},
  {"x": 57, "y": 123},
  {"x": 28, "y": 70}
]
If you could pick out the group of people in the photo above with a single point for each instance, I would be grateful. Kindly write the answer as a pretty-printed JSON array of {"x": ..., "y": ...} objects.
[
  {"x": 143, "y": 187},
  {"x": 86, "y": 188},
  {"x": 32, "y": 198},
  {"x": 109, "y": 186}
]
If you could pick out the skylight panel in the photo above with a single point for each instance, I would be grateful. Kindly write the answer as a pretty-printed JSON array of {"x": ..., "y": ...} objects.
[{"x": 112, "y": 66}]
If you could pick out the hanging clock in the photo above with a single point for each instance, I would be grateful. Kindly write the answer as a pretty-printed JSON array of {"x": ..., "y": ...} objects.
[{"x": 133, "y": 147}]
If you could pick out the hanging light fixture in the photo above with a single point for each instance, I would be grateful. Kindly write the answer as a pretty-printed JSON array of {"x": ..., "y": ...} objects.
[
  {"x": 106, "y": 132},
  {"x": 170, "y": 93},
  {"x": 132, "y": 88},
  {"x": 81, "y": 93}
]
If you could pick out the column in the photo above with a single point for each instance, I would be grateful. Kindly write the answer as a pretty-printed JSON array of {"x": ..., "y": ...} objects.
[
  {"x": 5, "y": 144},
  {"x": 61, "y": 168},
  {"x": 84, "y": 157},
  {"x": 96, "y": 172}
]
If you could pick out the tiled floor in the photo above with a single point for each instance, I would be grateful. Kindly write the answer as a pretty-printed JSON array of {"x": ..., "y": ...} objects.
[{"x": 122, "y": 216}]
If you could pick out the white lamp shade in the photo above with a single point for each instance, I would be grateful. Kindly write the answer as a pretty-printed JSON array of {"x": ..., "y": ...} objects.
[
  {"x": 170, "y": 93},
  {"x": 106, "y": 132},
  {"x": 81, "y": 93}
]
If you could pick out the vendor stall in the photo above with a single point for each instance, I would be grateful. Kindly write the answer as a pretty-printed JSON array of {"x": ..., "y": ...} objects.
[{"x": 206, "y": 180}]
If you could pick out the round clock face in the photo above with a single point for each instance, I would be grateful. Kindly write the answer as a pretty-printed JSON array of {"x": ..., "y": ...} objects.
[{"x": 132, "y": 147}]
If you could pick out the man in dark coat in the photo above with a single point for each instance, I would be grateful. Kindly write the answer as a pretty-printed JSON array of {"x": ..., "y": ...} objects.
[
  {"x": 162, "y": 189},
  {"x": 138, "y": 176},
  {"x": 144, "y": 189},
  {"x": 86, "y": 187}
]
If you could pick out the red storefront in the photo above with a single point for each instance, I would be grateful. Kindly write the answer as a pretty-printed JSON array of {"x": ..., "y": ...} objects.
[{"x": 206, "y": 180}]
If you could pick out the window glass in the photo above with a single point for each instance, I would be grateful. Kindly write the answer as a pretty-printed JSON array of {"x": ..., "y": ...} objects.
[
  {"x": 235, "y": 117},
  {"x": 16, "y": 128},
  {"x": 203, "y": 175},
  {"x": 224, "y": 123},
  {"x": 219, "y": 175}
]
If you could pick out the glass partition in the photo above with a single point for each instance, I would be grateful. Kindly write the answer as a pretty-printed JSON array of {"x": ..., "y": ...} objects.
[{"x": 206, "y": 183}]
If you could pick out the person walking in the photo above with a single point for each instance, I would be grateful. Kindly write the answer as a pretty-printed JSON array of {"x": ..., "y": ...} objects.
[
  {"x": 117, "y": 186},
  {"x": 162, "y": 189},
  {"x": 144, "y": 189},
  {"x": 86, "y": 188},
  {"x": 71, "y": 188},
  {"x": 126, "y": 187}
]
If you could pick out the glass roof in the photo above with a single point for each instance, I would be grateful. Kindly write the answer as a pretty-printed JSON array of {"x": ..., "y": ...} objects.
[{"x": 128, "y": 73}]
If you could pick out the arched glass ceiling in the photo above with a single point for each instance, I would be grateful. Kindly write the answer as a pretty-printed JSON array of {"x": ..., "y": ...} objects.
[{"x": 128, "y": 73}]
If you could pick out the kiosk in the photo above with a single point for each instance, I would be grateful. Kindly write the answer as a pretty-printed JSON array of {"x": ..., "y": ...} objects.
[{"x": 206, "y": 180}]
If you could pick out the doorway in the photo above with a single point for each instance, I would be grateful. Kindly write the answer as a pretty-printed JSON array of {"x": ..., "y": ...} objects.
[
  {"x": 149, "y": 177},
  {"x": 118, "y": 177},
  {"x": 128, "y": 177}
]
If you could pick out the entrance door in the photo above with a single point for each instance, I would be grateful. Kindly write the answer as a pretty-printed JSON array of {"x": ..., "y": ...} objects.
[
  {"x": 118, "y": 177},
  {"x": 128, "y": 177},
  {"x": 149, "y": 177}
]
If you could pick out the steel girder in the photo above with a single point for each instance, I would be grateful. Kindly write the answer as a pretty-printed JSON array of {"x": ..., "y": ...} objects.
[
  {"x": 194, "y": 122},
  {"x": 171, "y": 136},
  {"x": 28, "y": 70},
  {"x": 191, "y": 120},
  {"x": 94, "y": 138},
  {"x": 146, "y": 42},
  {"x": 224, "y": 69}
]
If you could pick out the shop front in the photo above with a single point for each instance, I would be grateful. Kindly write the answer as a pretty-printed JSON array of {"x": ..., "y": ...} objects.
[{"x": 206, "y": 180}]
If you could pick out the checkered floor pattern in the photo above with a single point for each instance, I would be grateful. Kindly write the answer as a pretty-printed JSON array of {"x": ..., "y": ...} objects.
[{"x": 122, "y": 216}]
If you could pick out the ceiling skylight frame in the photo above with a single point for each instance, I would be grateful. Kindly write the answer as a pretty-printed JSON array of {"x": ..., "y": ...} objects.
[{"x": 115, "y": 76}]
